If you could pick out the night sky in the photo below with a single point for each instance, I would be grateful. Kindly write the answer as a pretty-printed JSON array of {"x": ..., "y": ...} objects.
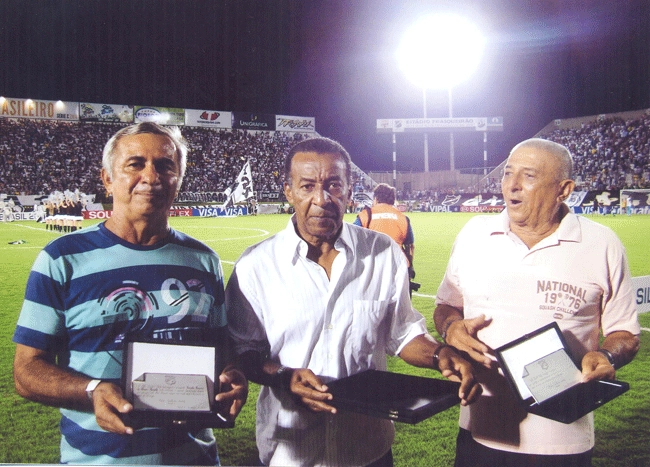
[{"x": 333, "y": 60}]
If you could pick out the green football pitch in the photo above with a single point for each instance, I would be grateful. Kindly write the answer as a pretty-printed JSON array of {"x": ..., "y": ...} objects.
[{"x": 29, "y": 431}]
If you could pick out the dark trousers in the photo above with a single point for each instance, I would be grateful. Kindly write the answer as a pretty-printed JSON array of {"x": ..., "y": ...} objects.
[
  {"x": 469, "y": 453},
  {"x": 385, "y": 461}
]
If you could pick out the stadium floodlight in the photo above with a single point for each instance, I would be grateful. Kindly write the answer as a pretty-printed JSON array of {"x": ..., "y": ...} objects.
[{"x": 439, "y": 52}]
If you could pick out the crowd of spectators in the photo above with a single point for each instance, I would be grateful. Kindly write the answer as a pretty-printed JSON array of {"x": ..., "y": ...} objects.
[
  {"x": 41, "y": 156},
  {"x": 610, "y": 153}
]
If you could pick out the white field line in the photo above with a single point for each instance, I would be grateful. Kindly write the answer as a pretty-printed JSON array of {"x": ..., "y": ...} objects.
[{"x": 417, "y": 294}]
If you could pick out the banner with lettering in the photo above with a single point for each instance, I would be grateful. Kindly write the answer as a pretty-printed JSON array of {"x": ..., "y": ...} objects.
[
  {"x": 208, "y": 118},
  {"x": 289, "y": 123},
  {"x": 641, "y": 287},
  {"x": 34, "y": 108},
  {"x": 253, "y": 121},
  {"x": 160, "y": 115}
]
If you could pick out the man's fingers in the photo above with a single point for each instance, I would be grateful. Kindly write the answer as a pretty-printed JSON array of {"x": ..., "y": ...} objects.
[
  {"x": 108, "y": 403},
  {"x": 311, "y": 391},
  {"x": 456, "y": 368},
  {"x": 474, "y": 325},
  {"x": 318, "y": 405}
]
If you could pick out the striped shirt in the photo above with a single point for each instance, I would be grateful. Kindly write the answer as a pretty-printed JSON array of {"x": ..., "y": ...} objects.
[{"x": 86, "y": 293}]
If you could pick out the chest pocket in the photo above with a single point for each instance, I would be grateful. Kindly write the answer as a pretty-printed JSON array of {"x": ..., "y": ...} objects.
[{"x": 368, "y": 325}]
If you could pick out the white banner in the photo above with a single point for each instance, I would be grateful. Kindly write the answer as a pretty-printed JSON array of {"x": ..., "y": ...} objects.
[
  {"x": 106, "y": 113},
  {"x": 641, "y": 287},
  {"x": 19, "y": 216},
  {"x": 421, "y": 125},
  {"x": 208, "y": 118},
  {"x": 289, "y": 123},
  {"x": 159, "y": 115},
  {"x": 576, "y": 198},
  {"x": 31, "y": 108}
]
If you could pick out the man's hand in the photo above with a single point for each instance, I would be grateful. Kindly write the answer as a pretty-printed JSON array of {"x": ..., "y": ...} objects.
[
  {"x": 425, "y": 352},
  {"x": 108, "y": 403},
  {"x": 462, "y": 334},
  {"x": 311, "y": 391},
  {"x": 595, "y": 365},
  {"x": 455, "y": 368},
  {"x": 621, "y": 345},
  {"x": 233, "y": 391},
  {"x": 38, "y": 379}
]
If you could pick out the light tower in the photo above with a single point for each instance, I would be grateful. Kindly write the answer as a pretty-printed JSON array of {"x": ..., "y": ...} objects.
[{"x": 439, "y": 52}]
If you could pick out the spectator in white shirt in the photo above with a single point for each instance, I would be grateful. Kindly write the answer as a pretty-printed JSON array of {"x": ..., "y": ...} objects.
[{"x": 319, "y": 301}]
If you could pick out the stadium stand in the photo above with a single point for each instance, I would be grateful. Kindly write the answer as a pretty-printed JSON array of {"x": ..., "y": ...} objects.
[
  {"x": 611, "y": 152},
  {"x": 42, "y": 156}
]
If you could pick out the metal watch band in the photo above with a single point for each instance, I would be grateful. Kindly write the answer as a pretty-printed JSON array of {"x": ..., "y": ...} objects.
[
  {"x": 436, "y": 355},
  {"x": 609, "y": 355},
  {"x": 91, "y": 387}
]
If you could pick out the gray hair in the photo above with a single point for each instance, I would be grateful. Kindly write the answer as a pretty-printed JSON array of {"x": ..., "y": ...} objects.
[
  {"x": 173, "y": 133},
  {"x": 560, "y": 152}
]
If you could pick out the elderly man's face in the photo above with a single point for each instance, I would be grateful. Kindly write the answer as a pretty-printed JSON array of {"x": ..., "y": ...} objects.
[
  {"x": 145, "y": 175},
  {"x": 532, "y": 187},
  {"x": 319, "y": 192}
]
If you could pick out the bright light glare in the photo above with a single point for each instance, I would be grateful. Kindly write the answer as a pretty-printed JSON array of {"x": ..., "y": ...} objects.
[{"x": 440, "y": 51}]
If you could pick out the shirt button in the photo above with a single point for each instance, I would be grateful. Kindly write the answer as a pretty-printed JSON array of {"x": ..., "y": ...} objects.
[{"x": 329, "y": 326}]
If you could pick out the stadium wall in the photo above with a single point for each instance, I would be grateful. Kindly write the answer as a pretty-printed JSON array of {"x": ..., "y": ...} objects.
[
  {"x": 580, "y": 202},
  {"x": 188, "y": 211},
  {"x": 641, "y": 287},
  {"x": 422, "y": 181}
]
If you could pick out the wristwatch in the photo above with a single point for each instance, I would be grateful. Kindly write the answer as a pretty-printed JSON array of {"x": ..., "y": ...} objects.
[
  {"x": 609, "y": 356},
  {"x": 445, "y": 328},
  {"x": 283, "y": 376},
  {"x": 436, "y": 355},
  {"x": 90, "y": 388}
]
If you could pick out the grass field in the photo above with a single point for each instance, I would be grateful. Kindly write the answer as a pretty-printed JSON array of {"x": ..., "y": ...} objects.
[{"x": 29, "y": 431}]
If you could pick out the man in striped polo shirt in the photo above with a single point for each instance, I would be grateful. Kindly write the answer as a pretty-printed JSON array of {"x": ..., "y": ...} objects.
[{"x": 131, "y": 276}]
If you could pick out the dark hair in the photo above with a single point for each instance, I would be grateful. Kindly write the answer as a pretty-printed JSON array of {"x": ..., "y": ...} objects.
[
  {"x": 319, "y": 146},
  {"x": 385, "y": 194},
  {"x": 173, "y": 133}
]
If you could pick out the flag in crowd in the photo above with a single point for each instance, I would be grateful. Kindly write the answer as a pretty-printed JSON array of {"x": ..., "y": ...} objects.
[{"x": 241, "y": 189}]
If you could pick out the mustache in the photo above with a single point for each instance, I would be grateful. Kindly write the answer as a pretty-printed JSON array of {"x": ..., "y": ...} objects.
[{"x": 317, "y": 211}]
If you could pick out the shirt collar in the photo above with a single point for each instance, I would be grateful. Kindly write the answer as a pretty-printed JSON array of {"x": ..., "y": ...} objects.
[
  {"x": 568, "y": 231},
  {"x": 296, "y": 246}
]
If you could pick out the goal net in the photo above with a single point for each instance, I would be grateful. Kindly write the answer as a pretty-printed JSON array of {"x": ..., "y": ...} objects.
[{"x": 638, "y": 201}]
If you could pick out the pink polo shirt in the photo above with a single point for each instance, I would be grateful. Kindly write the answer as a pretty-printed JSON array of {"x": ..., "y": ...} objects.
[{"x": 578, "y": 276}]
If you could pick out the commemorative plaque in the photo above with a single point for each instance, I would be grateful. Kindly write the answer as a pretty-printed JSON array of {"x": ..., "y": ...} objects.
[
  {"x": 171, "y": 384},
  {"x": 547, "y": 380}
]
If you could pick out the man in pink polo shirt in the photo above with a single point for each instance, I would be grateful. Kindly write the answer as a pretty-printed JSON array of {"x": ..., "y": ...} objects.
[{"x": 510, "y": 274}]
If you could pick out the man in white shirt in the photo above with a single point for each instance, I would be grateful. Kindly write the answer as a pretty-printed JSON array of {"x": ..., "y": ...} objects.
[
  {"x": 319, "y": 301},
  {"x": 510, "y": 274}
]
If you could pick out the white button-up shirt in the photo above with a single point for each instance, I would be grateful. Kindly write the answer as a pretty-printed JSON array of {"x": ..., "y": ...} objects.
[{"x": 283, "y": 305}]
